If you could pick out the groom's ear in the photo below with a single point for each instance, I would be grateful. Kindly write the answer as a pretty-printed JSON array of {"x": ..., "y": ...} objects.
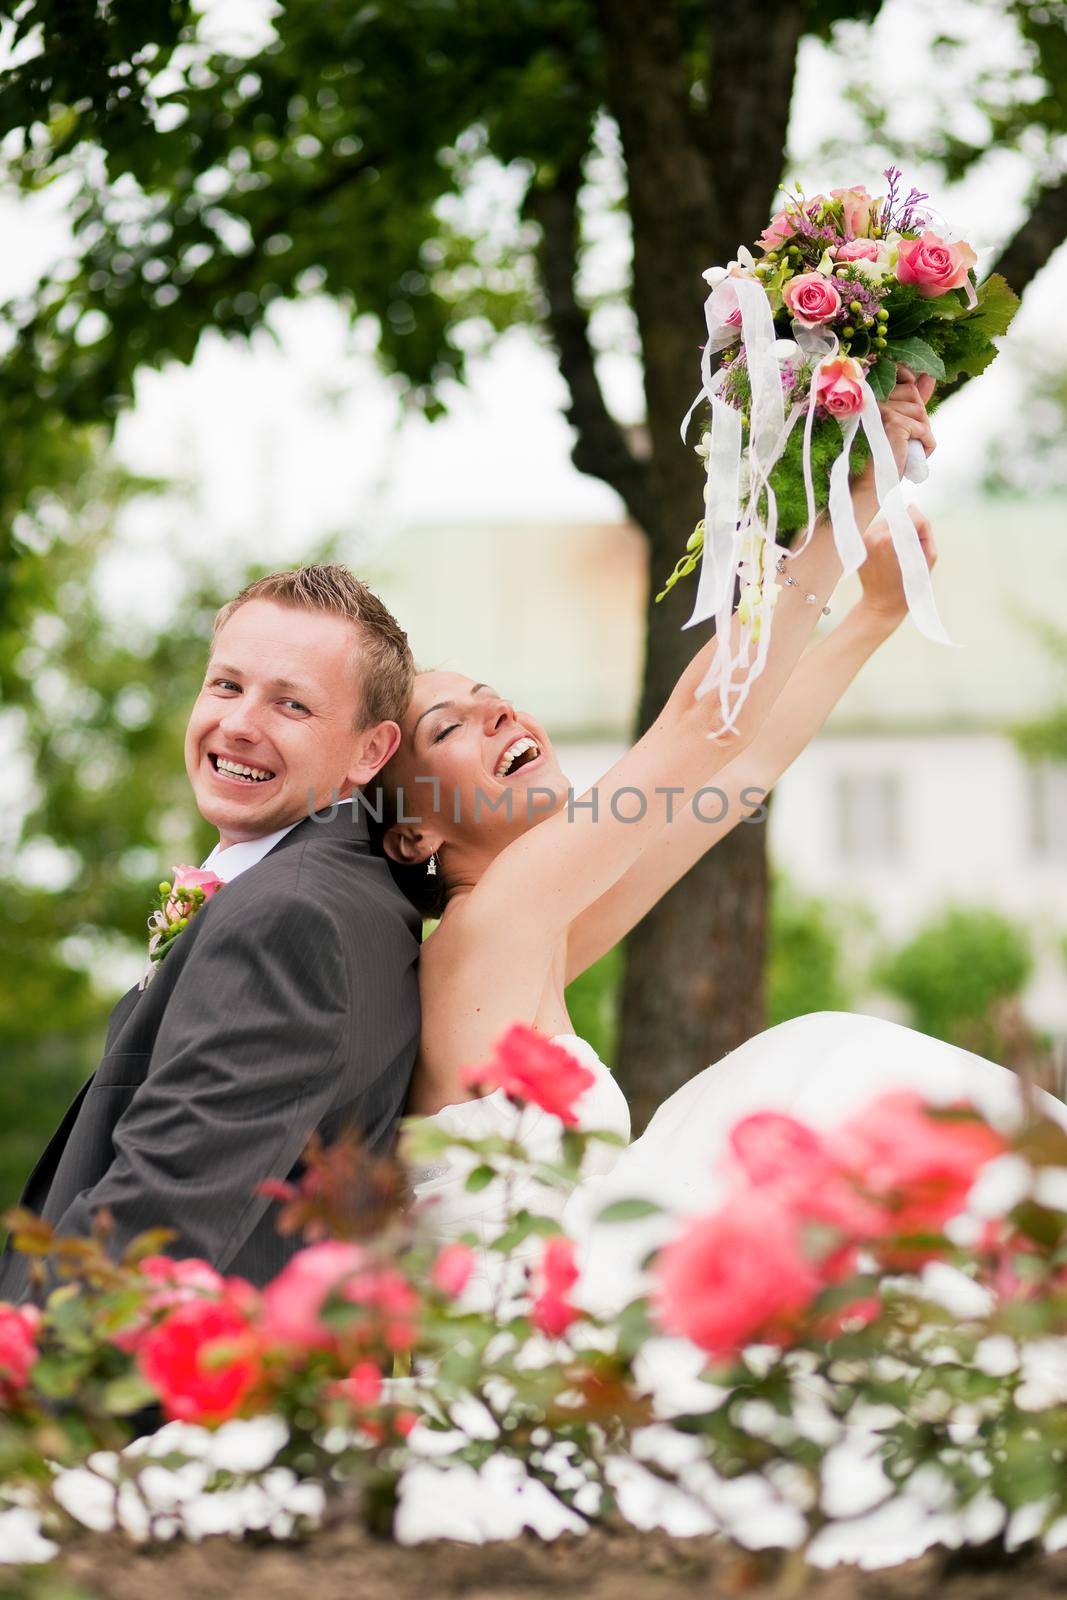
[
  {"x": 377, "y": 746},
  {"x": 408, "y": 845}
]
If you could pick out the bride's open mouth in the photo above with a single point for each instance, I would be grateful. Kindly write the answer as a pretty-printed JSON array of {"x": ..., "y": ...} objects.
[
  {"x": 521, "y": 752},
  {"x": 239, "y": 772}
]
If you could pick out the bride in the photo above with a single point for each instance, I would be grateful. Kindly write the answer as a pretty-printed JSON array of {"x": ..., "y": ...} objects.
[{"x": 533, "y": 886}]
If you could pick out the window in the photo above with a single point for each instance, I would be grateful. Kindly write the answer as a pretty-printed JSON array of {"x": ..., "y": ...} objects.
[
  {"x": 1046, "y": 795},
  {"x": 868, "y": 816}
]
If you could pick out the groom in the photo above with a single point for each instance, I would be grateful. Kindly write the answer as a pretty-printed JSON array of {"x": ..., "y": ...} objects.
[{"x": 289, "y": 1003}]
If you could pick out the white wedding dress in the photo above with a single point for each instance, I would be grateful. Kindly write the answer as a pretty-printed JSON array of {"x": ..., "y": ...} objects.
[{"x": 820, "y": 1068}]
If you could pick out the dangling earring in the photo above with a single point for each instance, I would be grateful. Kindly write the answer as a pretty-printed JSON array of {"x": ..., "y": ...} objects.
[{"x": 431, "y": 867}]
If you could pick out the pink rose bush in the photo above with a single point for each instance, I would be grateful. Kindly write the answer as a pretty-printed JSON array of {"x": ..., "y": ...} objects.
[
  {"x": 886, "y": 1182},
  {"x": 806, "y": 1286},
  {"x": 734, "y": 1277}
]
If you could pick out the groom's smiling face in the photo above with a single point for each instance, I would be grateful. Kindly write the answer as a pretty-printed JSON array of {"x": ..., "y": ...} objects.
[{"x": 273, "y": 734}]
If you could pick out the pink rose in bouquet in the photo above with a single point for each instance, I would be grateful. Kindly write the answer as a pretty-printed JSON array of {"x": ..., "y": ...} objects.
[
  {"x": 724, "y": 323},
  {"x": 18, "y": 1348},
  {"x": 781, "y": 227},
  {"x": 204, "y": 1357},
  {"x": 812, "y": 298},
  {"x": 858, "y": 250},
  {"x": 934, "y": 266},
  {"x": 736, "y": 1276},
  {"x": 859, "y": 210},
  {"x": 839, "y": 386},
  {"x": 532, "y": 1070}
]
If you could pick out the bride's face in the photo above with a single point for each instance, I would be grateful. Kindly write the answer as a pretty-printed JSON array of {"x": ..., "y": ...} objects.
[{"x": 489, "y": 770}]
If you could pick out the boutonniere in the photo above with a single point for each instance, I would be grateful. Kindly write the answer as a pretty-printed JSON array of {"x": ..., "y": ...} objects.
[{"x": 179, "y": 901}]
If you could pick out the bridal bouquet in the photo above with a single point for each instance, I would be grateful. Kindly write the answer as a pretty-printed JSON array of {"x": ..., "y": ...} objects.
[{"x": 809, "y": 337}]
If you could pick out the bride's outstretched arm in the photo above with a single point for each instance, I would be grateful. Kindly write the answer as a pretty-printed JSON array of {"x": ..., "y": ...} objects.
[
  {"x": 741, "y": 787},
  {"x": 506, "y": 934}
]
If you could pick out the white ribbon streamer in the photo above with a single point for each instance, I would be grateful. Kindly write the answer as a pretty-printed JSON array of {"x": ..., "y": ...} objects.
[
  {"x": 918, "y": 590},
  {"x": 721, "y": 515},
  {"x": 847, "y": 536},
  {"x": 767, "y": 412}
]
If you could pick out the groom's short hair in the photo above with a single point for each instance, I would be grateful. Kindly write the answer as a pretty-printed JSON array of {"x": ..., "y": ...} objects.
[{"x": 386, "y": 670}]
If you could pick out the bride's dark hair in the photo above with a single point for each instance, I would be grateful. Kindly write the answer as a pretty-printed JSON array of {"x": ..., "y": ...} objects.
[{"x": 426, "y": 890}]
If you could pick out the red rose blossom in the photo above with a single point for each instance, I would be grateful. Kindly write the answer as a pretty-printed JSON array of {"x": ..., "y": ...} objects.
[
  {"x": 203, "y": 1358},
  {"x": 532, "y": 1070}
]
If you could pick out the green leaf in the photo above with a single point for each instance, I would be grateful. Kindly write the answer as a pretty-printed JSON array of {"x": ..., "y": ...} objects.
[
  {"x": 882, "y": 378},
  {"x": 997, "y": 305},
  {"x": 479, "y": 1179},
  {"x": 128, "y": 1393},
  {"x": 629, "y": 1211},
  {"x": 523, "y": 1227},
  {"x": 916, "y": 354}
]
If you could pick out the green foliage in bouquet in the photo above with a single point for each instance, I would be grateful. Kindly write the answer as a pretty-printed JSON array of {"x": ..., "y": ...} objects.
[{"x": 943, "y": 337}]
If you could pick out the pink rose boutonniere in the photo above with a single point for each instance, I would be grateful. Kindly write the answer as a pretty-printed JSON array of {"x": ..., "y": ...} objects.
[{"x": 179, "y": 901}]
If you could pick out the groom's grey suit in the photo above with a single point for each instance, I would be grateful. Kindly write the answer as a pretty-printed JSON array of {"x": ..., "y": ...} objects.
[{"x": 288, "y": 1005}]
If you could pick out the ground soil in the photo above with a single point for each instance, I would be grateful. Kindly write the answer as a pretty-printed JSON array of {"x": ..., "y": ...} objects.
[{"x": 345, "y": 1564}]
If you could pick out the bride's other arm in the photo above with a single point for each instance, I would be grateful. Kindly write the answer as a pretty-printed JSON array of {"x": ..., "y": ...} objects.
[{"x": 741, "y": 787}]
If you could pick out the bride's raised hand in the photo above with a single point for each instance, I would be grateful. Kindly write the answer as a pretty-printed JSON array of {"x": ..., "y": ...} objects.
[
  {"x": 904, "y": 418},
  {"x": 904, "y": 414},
  {"x": 880, "y": 576}
]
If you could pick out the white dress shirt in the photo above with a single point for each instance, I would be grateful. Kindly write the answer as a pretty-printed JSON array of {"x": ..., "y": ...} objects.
[{"x": 230, "y": 862}]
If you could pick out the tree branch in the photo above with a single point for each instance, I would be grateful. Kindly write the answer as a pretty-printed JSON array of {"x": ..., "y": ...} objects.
[
  {"x": 601, "y": 448},
  {"x": 1037, "y": 239}
]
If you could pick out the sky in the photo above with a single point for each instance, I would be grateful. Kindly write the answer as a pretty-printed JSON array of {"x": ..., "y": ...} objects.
[{"x": 279, "y": 444}]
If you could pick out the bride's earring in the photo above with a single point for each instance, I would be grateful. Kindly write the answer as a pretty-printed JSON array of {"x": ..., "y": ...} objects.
[{"x": 431, "y": 867}]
